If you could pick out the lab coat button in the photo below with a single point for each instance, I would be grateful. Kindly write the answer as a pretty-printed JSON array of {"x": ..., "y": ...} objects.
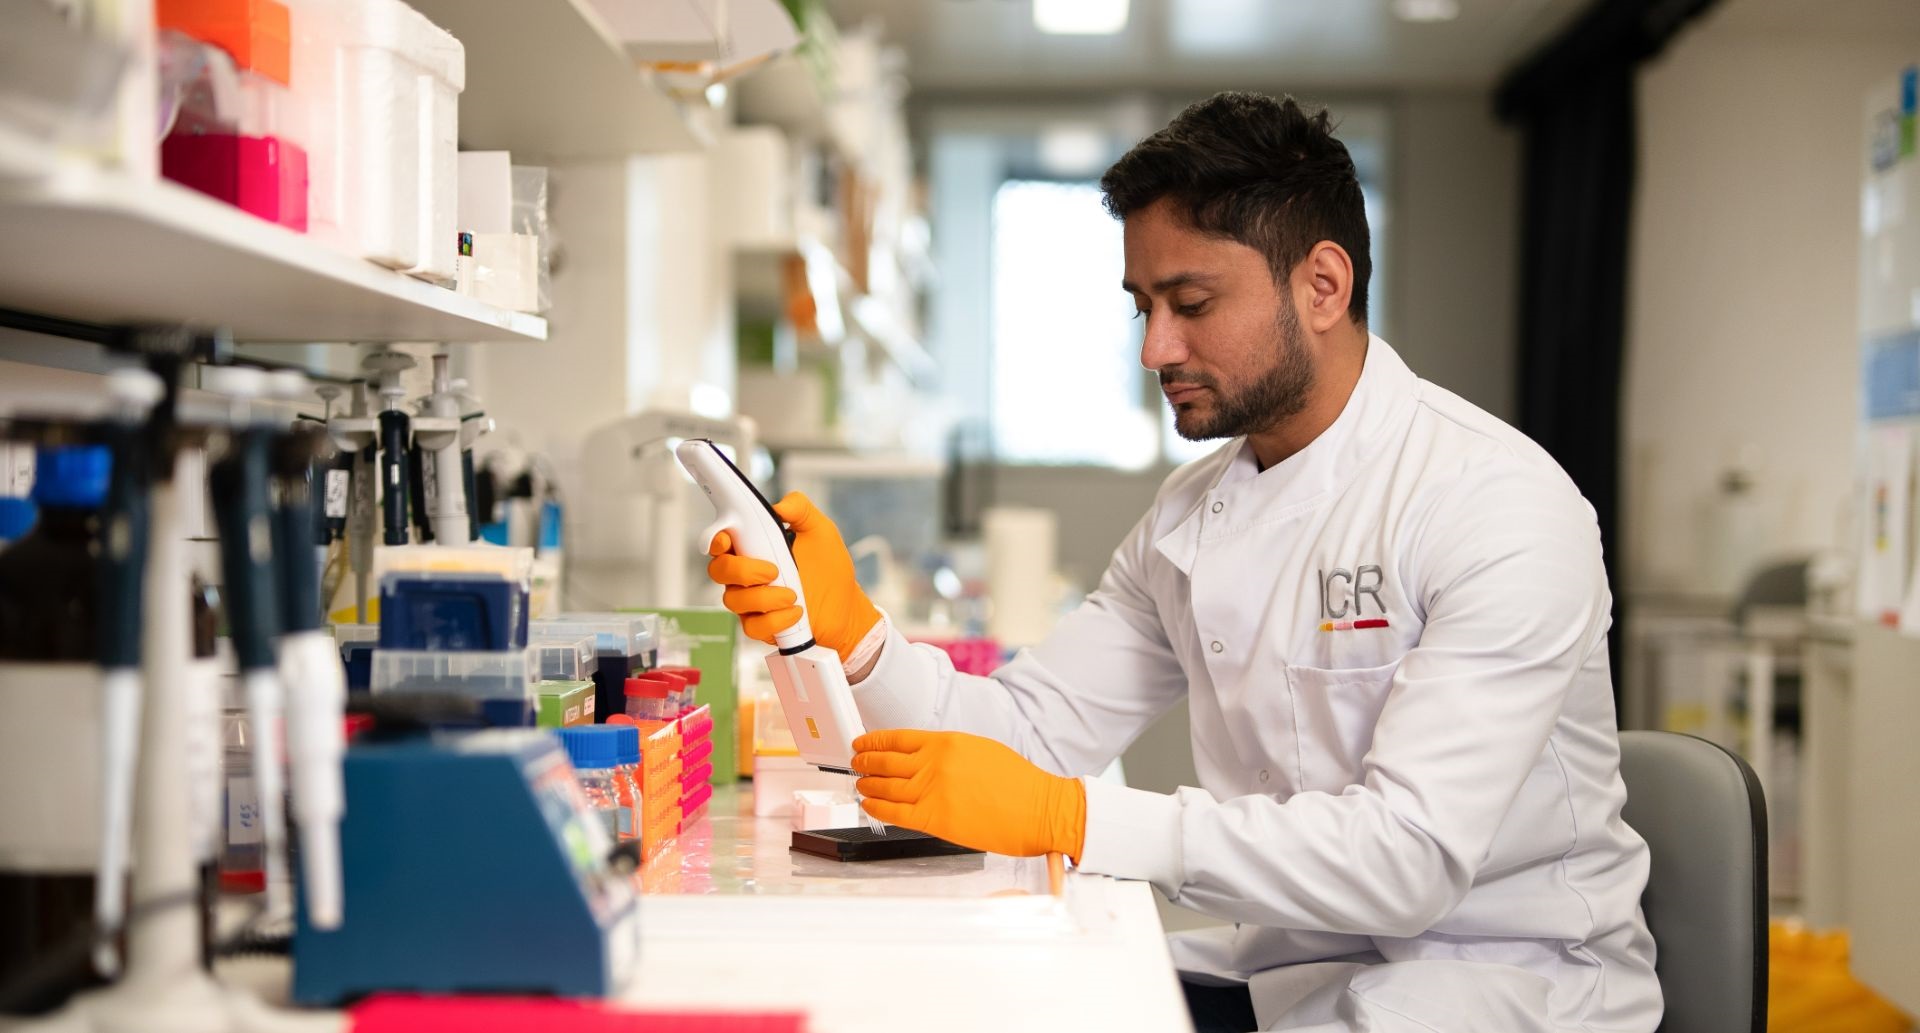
[
  {"x": 1264, "y": 776},
  {"x": 1218, "y": 506},
  {"x": 1218, "y": 646}
]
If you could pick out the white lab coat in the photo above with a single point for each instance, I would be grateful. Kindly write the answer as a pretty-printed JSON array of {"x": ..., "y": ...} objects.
[{"x": 1415, "y": 824}]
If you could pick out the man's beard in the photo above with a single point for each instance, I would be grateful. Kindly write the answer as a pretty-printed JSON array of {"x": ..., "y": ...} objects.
[{"x": 1276, "y": 394}]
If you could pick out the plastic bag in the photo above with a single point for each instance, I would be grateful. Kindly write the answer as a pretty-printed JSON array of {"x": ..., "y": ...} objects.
[{"x": 530, "y": 218}]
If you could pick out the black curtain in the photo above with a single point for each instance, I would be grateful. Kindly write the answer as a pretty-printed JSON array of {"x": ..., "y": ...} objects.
[{"x": 1573, "y": 102}]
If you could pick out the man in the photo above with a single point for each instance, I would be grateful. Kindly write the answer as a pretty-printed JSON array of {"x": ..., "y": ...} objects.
[{"x": 1386, "y": 610}]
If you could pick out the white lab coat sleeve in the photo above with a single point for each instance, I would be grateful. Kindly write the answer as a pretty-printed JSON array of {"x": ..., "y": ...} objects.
[
  {"x": 1507, "y": 570},
  {"x": 1070, "y": 704}
]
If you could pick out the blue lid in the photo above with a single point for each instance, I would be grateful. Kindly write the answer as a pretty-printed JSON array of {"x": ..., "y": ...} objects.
[
  {"x": 629, "y": 740},
  {"x": 16, "y": 518},
  {"x": 494, "y": 533},
  {"x": 550, "y": 525},
  {"x": 592, "y": 746},
  {"x": 71, "y": 475}
]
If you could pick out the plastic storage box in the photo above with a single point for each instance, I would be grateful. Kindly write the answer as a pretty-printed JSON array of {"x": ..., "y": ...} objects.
[
  {"x": 624, "y": 643},
  {"x": 237, "y": 133},
  {"x": 564, "y": 704},
  {"x": 502, "y": 682},
  {"x": 566, "y": 659},
  {"x": 357, "y": 644},
  {"x": 452, "y": 610}
]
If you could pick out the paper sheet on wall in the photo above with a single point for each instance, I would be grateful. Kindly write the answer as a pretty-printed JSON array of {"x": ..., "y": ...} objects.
[
  {"x": 1910, "y": 607},
  {"x": 1886, "y": 524}
]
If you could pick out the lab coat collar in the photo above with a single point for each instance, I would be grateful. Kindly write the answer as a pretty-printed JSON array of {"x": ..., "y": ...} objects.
[{"x": 1379, "y": 406}]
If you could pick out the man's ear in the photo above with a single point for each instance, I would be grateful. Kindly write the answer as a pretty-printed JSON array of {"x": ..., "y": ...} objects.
[{"x": 1323, "y": 287}]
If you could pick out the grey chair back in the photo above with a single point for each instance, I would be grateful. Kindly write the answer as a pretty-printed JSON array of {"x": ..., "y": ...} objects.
[{"x": 1704, "y": 818}]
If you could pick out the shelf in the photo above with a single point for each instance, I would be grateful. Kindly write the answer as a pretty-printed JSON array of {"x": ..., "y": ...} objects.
[
  {"x": 757, "y": 288},
  {"x": 784, "y": 93},
  {"x": 547, "y": 80},
  {"x": 100, "y": 246}
]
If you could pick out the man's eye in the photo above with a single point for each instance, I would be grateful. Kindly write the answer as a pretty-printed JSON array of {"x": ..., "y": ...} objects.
[
  {"x": 1139, "y": 313},
  {"x": 1192, "y": 310}
]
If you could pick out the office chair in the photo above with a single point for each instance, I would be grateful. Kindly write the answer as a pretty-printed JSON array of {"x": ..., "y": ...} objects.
[{"x": 1704, "y": 818}]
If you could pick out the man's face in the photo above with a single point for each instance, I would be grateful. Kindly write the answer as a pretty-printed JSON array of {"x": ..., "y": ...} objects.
[{"x": 1223, "y": 336}]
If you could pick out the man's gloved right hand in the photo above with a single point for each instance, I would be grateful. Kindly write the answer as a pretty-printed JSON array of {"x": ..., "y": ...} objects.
[{"x": 840, "y": 613}]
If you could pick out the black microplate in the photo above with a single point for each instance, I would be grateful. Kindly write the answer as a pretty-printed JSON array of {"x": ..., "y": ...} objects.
[{"x": 863, "y": 844}]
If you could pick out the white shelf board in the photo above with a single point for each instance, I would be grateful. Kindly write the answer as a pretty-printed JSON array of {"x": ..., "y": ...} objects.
[
  {"x": 101, "y": 246},
  {"x": 784, "y": 93},
  {"x": 547, "y": 80}
]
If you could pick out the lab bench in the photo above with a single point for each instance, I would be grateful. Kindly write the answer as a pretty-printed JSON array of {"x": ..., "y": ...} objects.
[{"x": 730, "y": 918}]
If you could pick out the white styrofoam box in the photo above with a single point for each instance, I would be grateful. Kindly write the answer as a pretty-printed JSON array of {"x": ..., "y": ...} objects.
[
  {"x": 377, "y": 128},
  {"x": 788, "y": 407},
  {"x": 486, "y": 192},
  {"x": 823, "y": 809},
  {"x": 502, "y": 270},
  {"x": 753, "y": 166},
  {"x": 444, "y": 62},
  {"x": 394, "y": 175},
  {"x": 50, "y": 742},
  {"x": 776, "y": 779}
]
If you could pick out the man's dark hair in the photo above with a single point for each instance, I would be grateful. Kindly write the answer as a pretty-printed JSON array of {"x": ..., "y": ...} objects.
[{"x": 1257, "y": 170}]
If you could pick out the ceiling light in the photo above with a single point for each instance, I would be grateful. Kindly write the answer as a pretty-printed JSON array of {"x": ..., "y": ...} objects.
[
  {"x": 1080, "y": 17},
  {"x": 1426, "y": 10}
]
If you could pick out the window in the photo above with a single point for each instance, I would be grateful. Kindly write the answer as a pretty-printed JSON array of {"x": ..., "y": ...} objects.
[
  {"x": 1034, "y": 289},
  {"x": 1066, "y": 364}
]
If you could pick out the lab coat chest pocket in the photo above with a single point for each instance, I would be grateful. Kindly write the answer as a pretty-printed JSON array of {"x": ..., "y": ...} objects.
[{"x": 1335, "y": 711}]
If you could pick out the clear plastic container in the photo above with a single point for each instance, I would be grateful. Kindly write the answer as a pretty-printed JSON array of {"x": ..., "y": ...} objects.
[
  {"x": 595, "y": 752},
  {"x": 623, "y": 642},
  {"x": 615, "y": 634},
  {"x": 242, "y": 848},
  {"x": 679, "y": 697},
  {"x": 236, "y": 133},
  {"x": 689, "y": 675},
  {"x": 565, "y": 659},
  {"x": 652, "y": 698},
  {"x": 506, "y": 675}
]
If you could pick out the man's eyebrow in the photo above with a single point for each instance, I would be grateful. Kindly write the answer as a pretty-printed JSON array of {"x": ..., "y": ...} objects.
[{"x": 1169, "y": 283}]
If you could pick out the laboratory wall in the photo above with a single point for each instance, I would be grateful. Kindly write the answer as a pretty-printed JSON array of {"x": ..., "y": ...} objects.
[
  {"x": 1742, "y": 358},
  {"x": 644, "y": 313},
  {"x": 1454, "y": 234}
]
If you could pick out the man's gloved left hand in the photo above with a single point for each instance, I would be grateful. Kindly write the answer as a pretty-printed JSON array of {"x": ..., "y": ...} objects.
[{"x": 969, "y": 790}]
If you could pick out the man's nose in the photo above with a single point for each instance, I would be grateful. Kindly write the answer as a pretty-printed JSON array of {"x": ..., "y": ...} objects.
[{"x": 1161, "y": 346}]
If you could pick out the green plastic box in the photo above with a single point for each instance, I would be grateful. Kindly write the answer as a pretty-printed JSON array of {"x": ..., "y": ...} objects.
[
  {"x": 564, "y": 704},
  {"x": 715, "y": 634}
]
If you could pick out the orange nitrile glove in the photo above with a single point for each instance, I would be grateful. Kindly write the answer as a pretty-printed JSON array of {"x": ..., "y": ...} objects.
[
  {"x": 840, "y": 613},
  {"x": 971, "y": 791}
]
